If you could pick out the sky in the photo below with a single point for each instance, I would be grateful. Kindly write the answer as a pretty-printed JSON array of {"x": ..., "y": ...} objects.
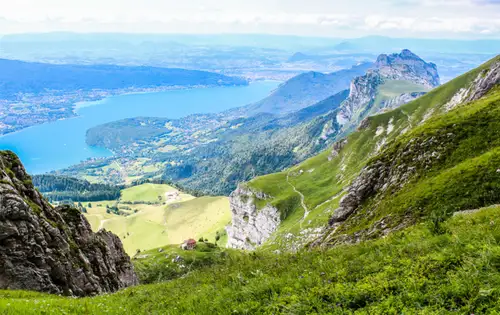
[{"x": 332, "y": 18}]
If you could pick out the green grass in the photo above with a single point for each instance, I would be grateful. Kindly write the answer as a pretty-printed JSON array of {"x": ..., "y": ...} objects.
[
  {"x": 146, "y": 193},
  {"x": 200, "y": 217},
  {"x": 394, "y": 88},
  {"x": 414, "y": 271},
  {"x": 465, "y": 176},
  {"x": 159, "y": 264}
]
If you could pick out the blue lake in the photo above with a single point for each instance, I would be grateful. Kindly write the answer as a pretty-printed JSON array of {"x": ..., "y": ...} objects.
[{"x": 60, "y": 144}]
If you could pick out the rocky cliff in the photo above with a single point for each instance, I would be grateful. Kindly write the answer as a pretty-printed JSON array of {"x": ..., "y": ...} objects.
[
  {"x": 53, "y": 250},
  {"x": 250, "y": 226},
  {"x": 483, "y": 83},
  {"x": 405, "y": 66},
  {"x": 362, "y": 93}
]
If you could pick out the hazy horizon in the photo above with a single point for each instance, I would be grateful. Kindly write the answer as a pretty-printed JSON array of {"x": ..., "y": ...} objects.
[
  {"x": 450, "y": 19},
  {"x": 166, "y": 34}
]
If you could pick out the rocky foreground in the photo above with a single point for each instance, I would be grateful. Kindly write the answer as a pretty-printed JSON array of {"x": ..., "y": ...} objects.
[{"x": 53, "y": 250}]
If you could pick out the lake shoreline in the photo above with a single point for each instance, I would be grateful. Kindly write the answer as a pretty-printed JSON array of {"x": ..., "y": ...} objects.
[
  {"x": 75, "y": 106},
  {"x": 59, "y": 144}
]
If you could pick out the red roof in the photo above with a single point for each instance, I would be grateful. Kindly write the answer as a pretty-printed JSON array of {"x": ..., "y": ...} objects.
[{"x": 190, "y": 242}]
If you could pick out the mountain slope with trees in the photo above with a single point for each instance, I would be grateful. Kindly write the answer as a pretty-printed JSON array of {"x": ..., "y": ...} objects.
[
  {"x": 213, "y": 153},
  {"x": 425, "y": 160}
]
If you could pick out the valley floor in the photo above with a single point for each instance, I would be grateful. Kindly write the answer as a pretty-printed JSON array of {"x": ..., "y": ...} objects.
[
  {"x": 421, "y": 270},
  {"x": 152, "y": 215}
]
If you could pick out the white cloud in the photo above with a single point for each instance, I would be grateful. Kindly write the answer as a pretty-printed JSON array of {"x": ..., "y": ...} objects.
[{"x": 424, "y": 18}]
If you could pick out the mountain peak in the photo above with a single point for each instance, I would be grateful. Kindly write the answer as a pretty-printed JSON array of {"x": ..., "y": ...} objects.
[
  {"x": 404, "y": 66},
  {"x": 397, "y": 58},
  {"x": 298, "y": 56},
  {"x": 408, "y": 66}
]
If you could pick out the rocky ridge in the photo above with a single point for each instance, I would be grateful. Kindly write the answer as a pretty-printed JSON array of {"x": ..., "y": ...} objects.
[
  {"x": 478, "y": 88},
  {"x": 383, "y": 175},
  {"x": 407, "y": 66},
  {"x": 403, "y": 66},
  {"x": 53, "y": 250}
]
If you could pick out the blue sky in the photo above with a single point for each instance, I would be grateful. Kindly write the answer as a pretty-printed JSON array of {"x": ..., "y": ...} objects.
[{"x": 334, "y": 18}]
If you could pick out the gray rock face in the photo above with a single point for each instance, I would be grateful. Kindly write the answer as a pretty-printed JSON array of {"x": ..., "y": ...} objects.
[
  {"x": 478, "y": 88},
  {"x": 394, "y": 173},
  {"x": 403, "y": 66},
  {"x": 250, "y": 227},
  {"x": 362, "y": 94},
  {"x": 336, "y": 148},
  {"x": 400, "y": 100},
  {"x": 408, "y": 66},
  {"x": 53, "y": 250}
]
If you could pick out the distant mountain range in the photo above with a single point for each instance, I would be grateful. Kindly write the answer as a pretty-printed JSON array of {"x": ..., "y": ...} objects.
[
  {"x": 379, "y": 43},
  {"x": 28, "y": 77},
  {"x": 77, "y": 41},
  {"x": 305, "y": 90}
]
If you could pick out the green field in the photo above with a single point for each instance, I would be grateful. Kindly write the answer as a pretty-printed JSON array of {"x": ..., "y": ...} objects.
[
  {"x": 394, "y": 88},
  {"x": 147, "y": 222},
  {"x": 146, "y": 192}
]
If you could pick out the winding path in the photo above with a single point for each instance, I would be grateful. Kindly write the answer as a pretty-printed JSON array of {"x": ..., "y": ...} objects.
[{"x": 302, "y": 198}]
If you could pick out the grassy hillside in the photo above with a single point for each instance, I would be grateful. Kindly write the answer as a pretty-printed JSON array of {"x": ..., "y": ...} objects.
[
  {"x": 412, "y": 272},
  {"x": 323, "y": 179},
  {"x": 394, "y": 88},
  {"x": 146, "y": 192},
  {"x": 144, "y": 221},
  {"x": 171, "y": 262},
  {"x": 448, "y": 164}
]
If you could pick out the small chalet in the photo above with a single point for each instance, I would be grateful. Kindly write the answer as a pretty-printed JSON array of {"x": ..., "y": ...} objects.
[{"x": 188, "y": 244}]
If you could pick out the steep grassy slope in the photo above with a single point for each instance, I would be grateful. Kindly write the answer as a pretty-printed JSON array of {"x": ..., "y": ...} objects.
[
  {"x": 411, "y": 272},
  {"x": 321, "y": 181},
  {"x": 144, "y": 221},
  {"x": 448, "y": 164}
]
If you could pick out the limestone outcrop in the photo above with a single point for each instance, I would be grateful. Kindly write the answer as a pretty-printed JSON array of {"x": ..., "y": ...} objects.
[{"x": 250, "y": 226}]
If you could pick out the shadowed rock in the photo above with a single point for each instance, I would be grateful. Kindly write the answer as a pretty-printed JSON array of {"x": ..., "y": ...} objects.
[{"x": 53, "y": 250}]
